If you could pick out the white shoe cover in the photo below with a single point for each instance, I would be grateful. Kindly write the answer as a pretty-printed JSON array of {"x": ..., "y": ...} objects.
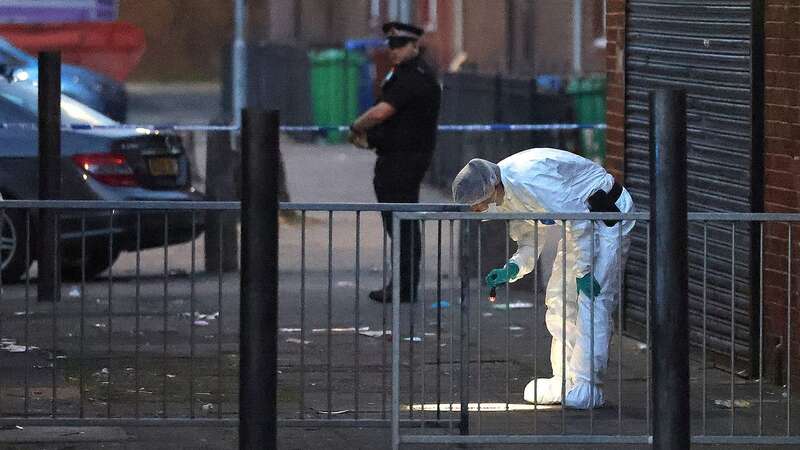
[
  {"x": 579, "y": 396},
  {"x": 544, "y": 391}
]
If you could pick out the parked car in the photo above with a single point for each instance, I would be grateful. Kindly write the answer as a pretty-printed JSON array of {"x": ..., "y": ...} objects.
[
  {"x": 97, "y": 164},
  {"x": 93, "y": 89}
]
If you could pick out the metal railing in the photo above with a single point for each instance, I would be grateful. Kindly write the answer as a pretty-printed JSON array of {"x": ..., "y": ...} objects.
[
  {"x": 503, "y": 345},
  {"x": 153, "y": 340}
]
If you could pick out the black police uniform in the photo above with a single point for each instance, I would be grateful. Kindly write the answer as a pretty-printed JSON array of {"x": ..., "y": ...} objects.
[{"x": 404, "y": 145}]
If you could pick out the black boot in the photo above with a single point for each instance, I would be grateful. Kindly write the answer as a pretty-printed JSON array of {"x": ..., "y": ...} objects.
[
  {"x": 382, "y": 295},
  {"x": 378, "y": 295}
]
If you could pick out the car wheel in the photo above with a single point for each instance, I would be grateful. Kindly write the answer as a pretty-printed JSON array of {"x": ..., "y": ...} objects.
[
  {"x": 96, "y": 261},
  {"x": 13, "y": 239}
]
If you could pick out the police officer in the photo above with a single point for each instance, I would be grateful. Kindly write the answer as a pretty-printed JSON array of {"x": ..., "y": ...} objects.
[{"x": 401, "y": 128}]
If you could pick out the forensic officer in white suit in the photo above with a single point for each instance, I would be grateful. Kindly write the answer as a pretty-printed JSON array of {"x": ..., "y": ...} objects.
[{"x": 543, "y": 180}]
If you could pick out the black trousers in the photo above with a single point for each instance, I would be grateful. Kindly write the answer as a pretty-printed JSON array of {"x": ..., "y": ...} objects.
[{"x": 397, "y": 180}]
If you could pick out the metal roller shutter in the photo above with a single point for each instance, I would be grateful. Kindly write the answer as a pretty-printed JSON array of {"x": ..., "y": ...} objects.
[{"x": 705, "y": 48}]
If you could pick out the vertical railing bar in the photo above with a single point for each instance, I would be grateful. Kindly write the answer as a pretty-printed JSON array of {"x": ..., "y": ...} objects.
[
  {"x": 789, "y": 336},
  {"x": 508, "y": 332},
  {"x": 191, "y": 316},
  {"x": 733, "y": 326},
  {"x": 705, "y": 326},
  {"x": 411, "y": 312},
  {"x": 16, "y": 244},
  {"x": 329, "y": 347},
  {"x": 563, "y": 324},
  {"x": 165, "y": 323},
  {"x": 479, "y": 320},
  {"x": 220, "y": 316},
  {"x": 110, "y": 310},
  {"x": 356, "y": 319},
  {"x": 302, "y": 407},
  {"x": 54, "y": 310},
  {"x": 421, "y": 294},
  {"x": 761, "y": 330},
  {"x": 396, "y": 330},
  {"x": 138, "y": 311},
  {"x": 28, "y": 306},
  {"x": 464, "y": 260},
  {"x": 647, "y": 334},
  {"x": 451, "y": 319},
  {"x": 439, "y": 319},
  {"x": 536, "y": 320},
  {"x": 620, "y": 296},
  {"x": 82, "y": 369},
  {"x": 384, "y": 352},
  {"x": 591, "y": 331}
]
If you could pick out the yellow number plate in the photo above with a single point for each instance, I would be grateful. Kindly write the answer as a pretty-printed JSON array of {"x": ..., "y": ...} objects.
[{"x": 163, "y": 167}]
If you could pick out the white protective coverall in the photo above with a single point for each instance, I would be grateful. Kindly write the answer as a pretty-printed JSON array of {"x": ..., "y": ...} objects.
[{"x": 551, "y": 180}]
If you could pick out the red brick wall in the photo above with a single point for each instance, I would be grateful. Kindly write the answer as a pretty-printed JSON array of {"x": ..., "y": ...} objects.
[
  {"x": 615, "y": 68},
  {"x": 782, "y": 181}
]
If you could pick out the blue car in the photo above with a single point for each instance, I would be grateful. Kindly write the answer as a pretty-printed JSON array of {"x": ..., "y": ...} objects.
[{"x": 94, "y": 90}]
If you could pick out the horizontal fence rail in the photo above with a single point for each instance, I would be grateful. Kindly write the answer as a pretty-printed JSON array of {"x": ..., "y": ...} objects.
[{"x": 506, "y": 343}]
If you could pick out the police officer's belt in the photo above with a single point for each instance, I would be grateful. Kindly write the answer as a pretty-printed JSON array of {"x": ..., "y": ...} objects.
[{"x": 602, "y": 201}]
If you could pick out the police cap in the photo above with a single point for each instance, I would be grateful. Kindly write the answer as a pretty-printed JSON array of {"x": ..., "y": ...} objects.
[{"x": 402, "y": 30}]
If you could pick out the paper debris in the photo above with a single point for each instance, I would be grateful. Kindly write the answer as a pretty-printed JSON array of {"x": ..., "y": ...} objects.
[
  {"x": 515, "y": 328},
  {"x": 13, "y": 348},
  {"x": 414, "y": 339},
  {"x": 200, "y": 323},
  {"x": 515, "y": 305},
  {"x": 345, "y": 284},
  {"x": 289, "y": 330},
  {"x": 736, "y": 403},
  {"x": 339, "y": 330},
  {"x": 74, "y": 292},
  {"x": 297, "y": 341},
  {"x": 334, "y": 413},
  {"x": 375, "y": 333},
  {"x": 209, "y": 316}
]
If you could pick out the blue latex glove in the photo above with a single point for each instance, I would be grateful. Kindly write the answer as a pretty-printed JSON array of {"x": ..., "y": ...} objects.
[
  {"x": 497, "y": 277},
  {"x": 585, "y": 285}
]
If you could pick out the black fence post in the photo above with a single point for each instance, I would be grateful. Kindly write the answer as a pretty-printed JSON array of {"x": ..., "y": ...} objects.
[
  {"x": 259, "y": 281},
  {"x": 668, "y": 237},
  {"x": 49, "y": 175}
]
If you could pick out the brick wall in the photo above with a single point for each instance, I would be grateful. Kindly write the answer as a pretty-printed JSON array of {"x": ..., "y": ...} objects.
[
  {"x": 615, "y": 68},
  {"x": 782, "y": 182}
]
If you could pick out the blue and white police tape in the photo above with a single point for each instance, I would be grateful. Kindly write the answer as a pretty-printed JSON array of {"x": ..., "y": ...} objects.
[{"x": 469, "y": 128}]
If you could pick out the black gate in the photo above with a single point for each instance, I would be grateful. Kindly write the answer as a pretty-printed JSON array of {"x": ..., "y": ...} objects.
[{"x": 705, "y": 47}]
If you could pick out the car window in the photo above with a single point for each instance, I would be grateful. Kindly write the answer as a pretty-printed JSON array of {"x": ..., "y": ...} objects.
[
  {"x": 12, "y": 55},
  {"x": 9, "y": 59},
  {"x": 25, "y": 96}
]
